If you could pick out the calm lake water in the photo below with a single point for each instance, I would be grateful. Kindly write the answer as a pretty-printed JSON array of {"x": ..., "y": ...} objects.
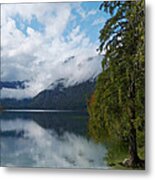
[{"x": 55, "y": 139}]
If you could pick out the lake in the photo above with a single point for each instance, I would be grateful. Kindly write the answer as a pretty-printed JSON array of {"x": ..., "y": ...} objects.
[{"x": 55, "y": 139}]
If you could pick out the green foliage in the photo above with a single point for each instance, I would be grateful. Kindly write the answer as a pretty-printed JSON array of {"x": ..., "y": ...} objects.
[{"x": 117, "y": 105}]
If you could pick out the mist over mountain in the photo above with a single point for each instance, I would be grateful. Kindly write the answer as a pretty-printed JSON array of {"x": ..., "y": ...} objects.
[
  {"x": 75, "y": 69},
  {"x": 70, "y": 91}
]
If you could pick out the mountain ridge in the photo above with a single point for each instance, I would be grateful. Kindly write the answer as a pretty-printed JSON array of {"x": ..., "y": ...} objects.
[{"x": 73, "y": 97}]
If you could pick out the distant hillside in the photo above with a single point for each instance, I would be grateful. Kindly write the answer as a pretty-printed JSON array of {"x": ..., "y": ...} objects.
[
  {"x": 61, "y": 97},
  {"x": 12, "y": 103}
]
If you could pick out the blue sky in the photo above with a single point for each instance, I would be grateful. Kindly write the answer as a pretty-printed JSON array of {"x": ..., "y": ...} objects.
[
  {"x": 87, "y": 23},
  {"x": 38, "y": 38},
  {"x": 23, "y": 24}
]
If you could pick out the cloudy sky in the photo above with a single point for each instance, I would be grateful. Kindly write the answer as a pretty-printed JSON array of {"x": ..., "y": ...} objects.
[{"x": 38, "y": 39}]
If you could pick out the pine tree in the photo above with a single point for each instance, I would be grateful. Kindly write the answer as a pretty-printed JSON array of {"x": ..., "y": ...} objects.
[{"x": 117, "y": 105}]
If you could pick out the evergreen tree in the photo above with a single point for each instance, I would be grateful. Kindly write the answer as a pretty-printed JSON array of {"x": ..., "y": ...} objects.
[{"x": 116, "y": 108}]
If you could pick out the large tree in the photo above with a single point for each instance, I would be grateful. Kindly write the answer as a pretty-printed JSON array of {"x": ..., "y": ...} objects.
[{"x": 117, "y": 106}]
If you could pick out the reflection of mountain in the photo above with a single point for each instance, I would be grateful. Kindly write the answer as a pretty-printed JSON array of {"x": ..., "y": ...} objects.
[
  {"x": 61, "y": 97},
  {"x": 48, "y": 140},
  {"x": 60, "y": 122}
]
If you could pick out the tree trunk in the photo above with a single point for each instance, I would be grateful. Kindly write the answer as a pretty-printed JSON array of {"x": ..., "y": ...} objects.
[
  {"x": 134, "y": 160},
  {"x": 132, "y": 136}
]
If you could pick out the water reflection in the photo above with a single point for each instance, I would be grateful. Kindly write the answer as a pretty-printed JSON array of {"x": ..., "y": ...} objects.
[{"x": 48, "y": 140}]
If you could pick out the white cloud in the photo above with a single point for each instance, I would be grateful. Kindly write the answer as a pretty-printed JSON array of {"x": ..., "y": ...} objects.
[
  {"x": 98, "y": 21},
  {"x": 38, "y": 56},
  {"x": 81, "y": 11},
  {"x": 92, "y": 12}
]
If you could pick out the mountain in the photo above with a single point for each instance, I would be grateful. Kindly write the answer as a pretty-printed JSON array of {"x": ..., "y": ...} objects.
[
  {"x": 56, "y": 96},
  {"x": 60, "y": 97},
  {"x": 13, "y": 103}
]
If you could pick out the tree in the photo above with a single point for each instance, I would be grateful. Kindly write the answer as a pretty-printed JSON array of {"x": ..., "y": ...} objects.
[{"x": 116, "y": 108}]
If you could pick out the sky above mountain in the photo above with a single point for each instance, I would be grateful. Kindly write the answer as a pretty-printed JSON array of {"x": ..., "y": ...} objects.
[{"x": 37, "y": 41}]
